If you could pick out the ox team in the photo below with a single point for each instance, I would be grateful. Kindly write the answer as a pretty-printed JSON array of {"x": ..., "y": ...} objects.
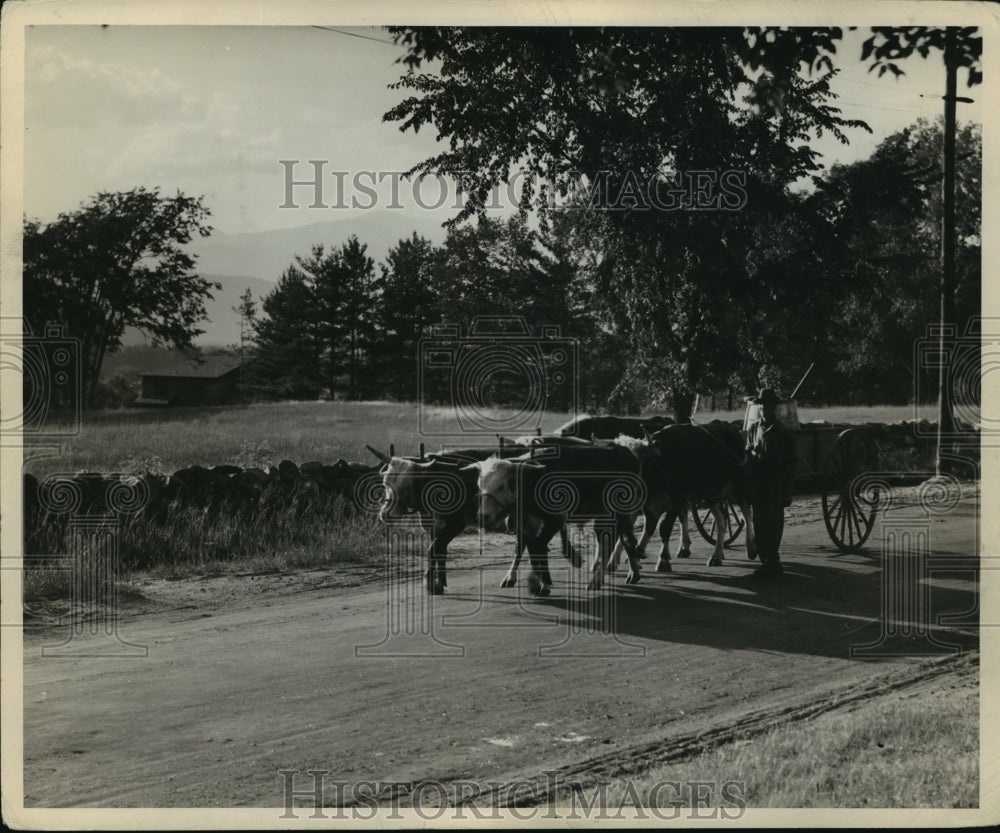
[{"x": 606, "y": 470}]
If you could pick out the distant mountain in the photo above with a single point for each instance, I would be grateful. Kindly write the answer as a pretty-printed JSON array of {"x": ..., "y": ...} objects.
[
  {"x": 223, "y": 325},
  {"x": 266, "y": 254},
  {"x": 257, "y": 259}
]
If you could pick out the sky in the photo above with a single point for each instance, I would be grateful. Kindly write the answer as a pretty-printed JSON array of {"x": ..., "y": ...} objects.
[{"x": 213, "y": 110}]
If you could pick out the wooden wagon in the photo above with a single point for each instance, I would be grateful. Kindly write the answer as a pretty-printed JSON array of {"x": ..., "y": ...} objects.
[{"x": 830, "y": 460}]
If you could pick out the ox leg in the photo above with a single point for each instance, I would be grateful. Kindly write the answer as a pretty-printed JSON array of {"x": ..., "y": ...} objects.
[
  {"x": 539, "y": 579},
  {"x": 666, "y": 526},
  {"x": 603, "y": 551},
  {"x": 684, "y": 550},
  {"x": 626, "y": 536},
  {"x": 510, "y": 580},
  {"x": 442, "y": 533},
  {"x": 648, "y": 525},
  {"x": 721, "y": 531},
  {"x": 747, "y": 509}
]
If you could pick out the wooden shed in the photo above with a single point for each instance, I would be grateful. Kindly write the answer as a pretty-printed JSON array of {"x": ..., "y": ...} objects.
[{"x": 214, "y": 382}]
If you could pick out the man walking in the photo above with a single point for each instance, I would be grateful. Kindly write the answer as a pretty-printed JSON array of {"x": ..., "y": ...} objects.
[{"x": 772, "y": 459}]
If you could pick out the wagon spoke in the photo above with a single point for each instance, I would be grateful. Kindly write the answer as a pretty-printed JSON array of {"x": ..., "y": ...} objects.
[
  {"x": 843, "y": 518},
  {"x": 855, "y": 522}
]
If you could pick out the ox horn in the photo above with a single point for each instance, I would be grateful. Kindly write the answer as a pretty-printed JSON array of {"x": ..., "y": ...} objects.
[
  {"x": 645, "y": 434},
  {"x": 378, "y": 454}
]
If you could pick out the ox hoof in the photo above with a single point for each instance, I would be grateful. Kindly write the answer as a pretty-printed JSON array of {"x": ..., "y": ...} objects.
[
  {"x": 509, "y": 581},
  {"x": 684, "y": 552},
  {"x": 594, "y": 584},
  {"x": 752, "y": 555},
  {"x": 632, "y": 578},
  {"x": 714, "y": 562},
  {"x": 663, "y": 566},
  {"x": 536, "y": 587},
  {"x": 437, "y": 590}
]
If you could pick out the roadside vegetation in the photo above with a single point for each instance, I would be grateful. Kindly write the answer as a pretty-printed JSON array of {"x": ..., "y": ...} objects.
[{"x": 898, "y": 750}]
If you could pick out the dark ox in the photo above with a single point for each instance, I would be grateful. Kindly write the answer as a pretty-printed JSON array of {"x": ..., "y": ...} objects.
[
  {"x": 691, "y": 464},
  {"x": 559, "y": 484},
  {"x": 441, "y": 496},
  {"x": 610, "y": 427}
]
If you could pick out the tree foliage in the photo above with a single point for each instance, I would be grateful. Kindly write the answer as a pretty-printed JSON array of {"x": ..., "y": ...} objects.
[
  {"x": 117, "y": 262},
  {"x": 565, "y": 106},
  {"x": 555, "y": 103},
  {"x": 319, "y": 324}
]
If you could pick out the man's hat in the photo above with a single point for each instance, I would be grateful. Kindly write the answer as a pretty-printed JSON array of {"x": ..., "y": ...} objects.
[{"x": 765, "y": 395}]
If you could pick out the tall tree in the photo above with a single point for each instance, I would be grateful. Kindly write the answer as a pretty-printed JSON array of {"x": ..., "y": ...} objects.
[
  {"x": 247, "y": 311},
  {"x": 319, "y": 323},
  {"x": 888, "y": 212},
  {"x": 287, "y": 351},
  {"x": 599, "y": 107},
  {"x": 118, "y": 262},
  {"x": 343, "y": 284},
  {"x": 408, "y": 306}
]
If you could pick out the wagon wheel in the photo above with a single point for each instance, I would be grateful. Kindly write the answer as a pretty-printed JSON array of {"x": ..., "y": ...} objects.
[
  {"x": 849, "y": 515},
  {"x": 705, "y": 521}
]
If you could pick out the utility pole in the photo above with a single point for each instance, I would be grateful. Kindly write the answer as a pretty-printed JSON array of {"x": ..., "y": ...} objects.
[{"x": 948, "y": 325}]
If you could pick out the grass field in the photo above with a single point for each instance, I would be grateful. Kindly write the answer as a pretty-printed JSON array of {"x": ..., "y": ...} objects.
[{"x": 265, "y": 434}]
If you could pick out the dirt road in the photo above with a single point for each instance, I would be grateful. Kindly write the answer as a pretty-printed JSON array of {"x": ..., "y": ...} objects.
[{"x": 379, "y": 682}]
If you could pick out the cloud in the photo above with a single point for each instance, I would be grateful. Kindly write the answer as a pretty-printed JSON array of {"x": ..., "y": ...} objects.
[
  {"x": 141, "y": 120},
  {"x": 61, "y": 91}
]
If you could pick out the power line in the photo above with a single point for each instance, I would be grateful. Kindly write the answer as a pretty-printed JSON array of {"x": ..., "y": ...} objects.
[{"x": 355, "y": 35}]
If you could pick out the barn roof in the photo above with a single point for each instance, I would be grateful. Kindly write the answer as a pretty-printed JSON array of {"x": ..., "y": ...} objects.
[{"x": 211, "y": 367}]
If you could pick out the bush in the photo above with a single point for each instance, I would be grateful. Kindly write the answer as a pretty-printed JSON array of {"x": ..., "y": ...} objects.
[{"x": 114, "y": 393}]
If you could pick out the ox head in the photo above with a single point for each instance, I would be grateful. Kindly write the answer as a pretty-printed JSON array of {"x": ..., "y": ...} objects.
[
  {"x": 645, "y": 450},
  {"x": 402, "y": 481},
  {"x": 497, "y": 484}
]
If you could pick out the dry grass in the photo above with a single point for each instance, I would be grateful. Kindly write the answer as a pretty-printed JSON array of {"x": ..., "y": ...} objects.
[
  {"x": 902, "y": 750},
  {"x": 318, "y": 532}
]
